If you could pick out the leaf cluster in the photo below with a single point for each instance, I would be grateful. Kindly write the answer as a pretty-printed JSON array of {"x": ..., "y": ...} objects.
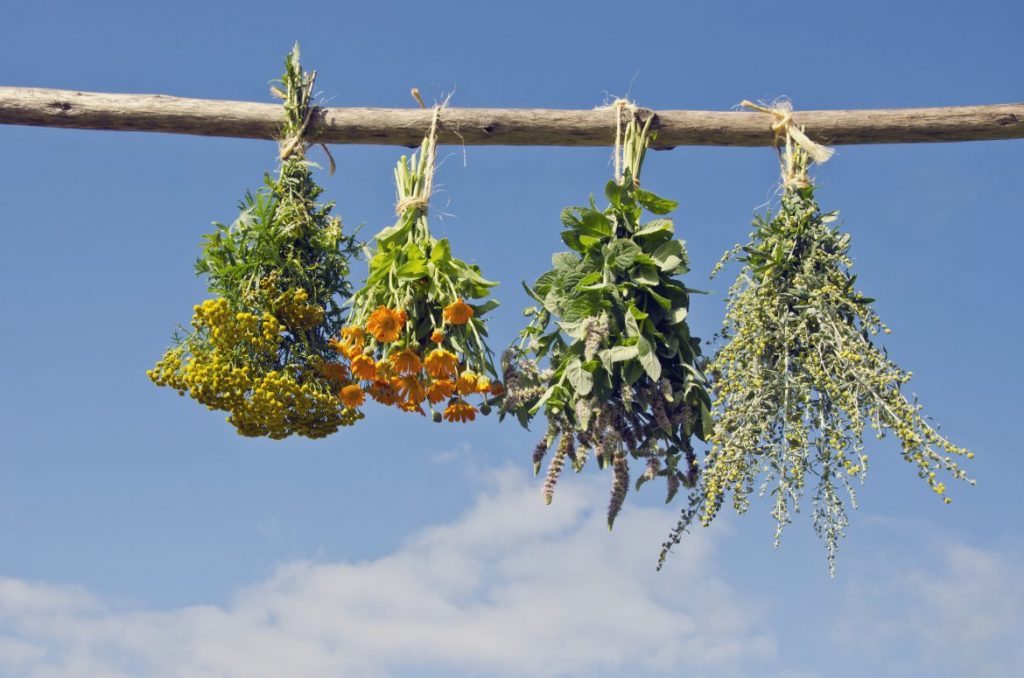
[
  {"x": 283, "y": 238},
  {"x": 280, "y": 274},
  {"x": 611, "y": 322},
  {"x": 412, "y": 270},
  {"x": 798, "y": 377}
]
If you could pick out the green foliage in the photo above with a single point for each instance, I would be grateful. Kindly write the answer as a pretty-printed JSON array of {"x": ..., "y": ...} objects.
[
  {"x": 622, "y": 376},
  {"x": 283, "y": 239},
  {"x": 260, "y": 350},
  {"x": 799, "y": 376},
  {"x": 413, "y": 271}
]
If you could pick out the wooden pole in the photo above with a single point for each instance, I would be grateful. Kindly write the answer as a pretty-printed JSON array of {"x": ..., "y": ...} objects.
[{"x": 497, "y": 127}]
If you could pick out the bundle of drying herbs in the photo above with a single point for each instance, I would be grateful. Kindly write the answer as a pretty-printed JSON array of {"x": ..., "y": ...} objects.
[
  {"x": 260, "y": 349},
  {"x": 800, "y": 374},
  {"x": 412, "y": 338},
  {"x": 621, "y": 378}
]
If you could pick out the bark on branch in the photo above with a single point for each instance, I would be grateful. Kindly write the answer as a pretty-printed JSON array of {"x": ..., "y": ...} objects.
[{"x": 495, "y": 126}]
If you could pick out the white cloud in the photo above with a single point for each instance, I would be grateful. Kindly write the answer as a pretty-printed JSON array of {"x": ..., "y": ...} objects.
[
  {"x": 957, "y": 610},
  {"x": 511, "y": 587}
]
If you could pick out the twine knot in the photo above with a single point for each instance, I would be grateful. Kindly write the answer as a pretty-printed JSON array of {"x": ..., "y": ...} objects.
[
  {"x": 789, "y": 133},
  {"x": 296, "y": 143},
  {"x": 620, "y": 106},
  {"x": 421, "y": 200}
]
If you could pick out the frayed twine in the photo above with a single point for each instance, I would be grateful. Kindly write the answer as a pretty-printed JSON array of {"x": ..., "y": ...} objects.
[
  {"x": 422, "y": 201},
  {"x": 790, "y": 134},
  {"x": 619, "y": 106},
  {"x": 297, "y": 142}
]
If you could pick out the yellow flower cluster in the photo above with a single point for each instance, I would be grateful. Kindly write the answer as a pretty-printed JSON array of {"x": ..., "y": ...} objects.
[
  {"x": 294, "y": 309},
  {"x": 230, "y": 363}
]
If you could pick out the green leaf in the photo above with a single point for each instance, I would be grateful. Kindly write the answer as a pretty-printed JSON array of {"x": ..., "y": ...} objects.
[
  {"x": 412, "y": 270},
  {"x": 671, "y": 257},
  {"x": 569, "y": 218},
  {"x": 707, "y": 423},
  {"x": 648, "y": 359},
  {"x": 564, "y": 261},
  {"x": 480, "y": 309},
  {"x": 656, "y": 226},
  {"x": 581, "y": 307},
  {"x": 677, "y": 315},
  {"x": 572, "y": 239},
  {"x": 661, "y": 301},
  {"x": 613, "y": 191},
  {"x": 632, "y": 329},
  {"x": 622, "y": 253},
  {"x": 543, "y": 399},
  {"x": 441, "y": 252},
  {"x": 580, "y": 379},
  {"x": 616, "y": 354},
  {"x": 653, "y": 203},
  {"x": 573, "y": 329},
  {"x": 631, "y": 371},
  {"x": 595, "y": 224},
  {"x": 646, "y": 275}
]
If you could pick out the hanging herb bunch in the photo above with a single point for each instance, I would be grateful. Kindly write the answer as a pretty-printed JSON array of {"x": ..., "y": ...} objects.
[
  {"x": 621, "y": 378},
  {"x": 260, "y": 349},
  {"x": 416, "y": 334},
  {"x": 800, "y": 376}
]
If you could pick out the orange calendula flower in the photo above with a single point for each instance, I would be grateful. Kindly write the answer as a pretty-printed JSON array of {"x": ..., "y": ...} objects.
[
  {"x": 383, "y": 393},
  {"x": 409, "y": 388},
  {"x": 385, "y": 325},
  {"x": 353, "y": 339},
  {"x": 437, "y": 336},
  {"x": 440, "y": 390},
  {"x": 457, "y": 313},
  {"x": 441, "y": 363},
  {"x": 467, "y": 382},
  {"x": 459, "y": 411},
  {"x": 497, "y": 389},
  {"x": 483, "y": 385},
  {"x": 364, "y": 367},
  {"x": 352, "y": 395},
  {"x": 409, "y": 406},
  {"x": 405, "y": 362},
  {"x": 334, "y": 371}
]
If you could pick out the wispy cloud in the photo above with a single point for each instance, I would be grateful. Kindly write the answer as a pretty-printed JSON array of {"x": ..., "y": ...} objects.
[
  {"x": 957, "y": 610},
  {"x": 511, "y": 587}
]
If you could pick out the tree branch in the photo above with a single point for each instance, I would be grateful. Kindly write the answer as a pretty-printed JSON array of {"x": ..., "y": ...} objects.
[{"x": 494, "y": 126}]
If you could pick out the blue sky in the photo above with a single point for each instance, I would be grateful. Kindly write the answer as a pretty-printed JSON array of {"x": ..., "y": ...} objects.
[{"x": 140, "y": 536}]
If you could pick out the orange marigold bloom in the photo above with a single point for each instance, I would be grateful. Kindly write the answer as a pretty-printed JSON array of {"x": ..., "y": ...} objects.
[
  {"x": 409, "y": 388},
  {"x": 439, "y": 390},
  {"x": 497, "y": 389},
  {"x": 441, "y": 363},
  {"x": 335, "y": 371},
  {"x": 437, "y": 336},
  {"x": 409, "y": 406},
  {"x": 352, "y": 395},
  {"x": 467, "y": 382},
  {"x": 459, "y": 411},
  {"x": 457, "y": 313},
  {"x": 483, "y": 385},
  {"x": 386, "y": 325},
  {"x": 405, "y": 362},
  {"x": 383, "y": 393},
  {"x": 353, "y": 339},
  {"x": 364, "y": 367}
]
